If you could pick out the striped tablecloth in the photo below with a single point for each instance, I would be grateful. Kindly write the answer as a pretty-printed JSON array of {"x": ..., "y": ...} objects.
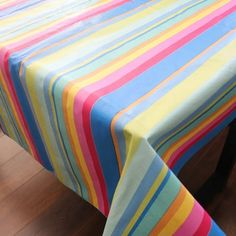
[{"x": 115, "y": 96}]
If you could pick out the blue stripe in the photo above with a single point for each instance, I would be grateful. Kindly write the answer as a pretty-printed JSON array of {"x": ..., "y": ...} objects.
[
  {"x": 161, "y": 187},
  {"x": 143, "y": 83},
  {"x": 28, "y": 114},
  {"x": 202, "y": 142}
]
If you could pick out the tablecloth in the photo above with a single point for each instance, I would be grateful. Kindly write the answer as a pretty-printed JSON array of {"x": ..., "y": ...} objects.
[{"x": 115, "y": 96}]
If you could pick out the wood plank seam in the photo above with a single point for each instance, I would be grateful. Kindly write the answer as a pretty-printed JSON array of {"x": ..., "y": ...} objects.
[{"x": 33, "y": 176}]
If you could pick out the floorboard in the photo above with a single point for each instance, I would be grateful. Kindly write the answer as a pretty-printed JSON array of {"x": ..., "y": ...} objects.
[
  {"x": 28, "y": 202},
  {"x": 34, "y": 202},
  {"x": 68, "y": 215},
  {"x": 15, "y": 172},
  {"x": 8, "y": 149}
]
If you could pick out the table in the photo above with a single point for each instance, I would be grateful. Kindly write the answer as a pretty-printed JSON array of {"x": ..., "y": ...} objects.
[{"x": 115, "y": 97}]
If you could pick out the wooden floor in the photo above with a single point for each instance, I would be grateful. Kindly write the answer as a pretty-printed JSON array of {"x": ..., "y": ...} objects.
[{"x": 33, "y": 202}]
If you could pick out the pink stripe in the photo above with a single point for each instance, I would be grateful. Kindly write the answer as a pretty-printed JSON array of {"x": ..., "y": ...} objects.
[
  {"x": 161, "y": 51},
  {"x": 131, "y": 70},
  {"x": 45, "y": 34},
  {"x": 205, "y": 226},
  {"x": 4, "y": 55},
  {"x": 192, "y": 223},
  {"x": 177, "y": 155},
  {"x": 12, "y": 4},
  {"x": 84, "y": 146},
  {"x": 65, "y": 24}
]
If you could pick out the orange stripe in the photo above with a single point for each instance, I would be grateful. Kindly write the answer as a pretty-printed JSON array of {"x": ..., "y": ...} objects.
[
  {"x": 167, "y": 155},
  {"x": 17, "y": 118},
  {"x": 155, "y": 89},
  {"x": 74, "y": 148},
  {"x": 73, "y": 36},
  {"x": 170, "y": 212},
  {"x": 146, "y": 43}
]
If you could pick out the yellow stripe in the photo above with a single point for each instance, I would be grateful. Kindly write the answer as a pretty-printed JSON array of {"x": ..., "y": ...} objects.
[
  {"x": 15, "y": 114},
  {"x": 25, "y": 35},
  {"x": 194, "y": 132},
  {"x": 116, "y": 27},
  {"x": 146, "y": 200},
  {"x": 131, "y": 55},
  {"x": 42, "y": 7},
  {"x": 194, "y": 118},
  {"x": 82, "y": 82},
  {"x": 69, "y": 118},
  {"x": 141, "y": 99},
  {"x": 195, "y": 82},
  {"x": 179, "y": 217},
  {"x": 8, "y": 127},
  {"x": 120, "y": 63},
  {"x": 167, "y": 217},
  {"x": 3, "y": 2},
  {"x": 24, "y": 60},
  {"x": 39, "y": 116},
  {"x": 76, "y": 147}
]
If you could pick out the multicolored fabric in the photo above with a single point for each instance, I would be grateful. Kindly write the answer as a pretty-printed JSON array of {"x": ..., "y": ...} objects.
[{"x": 115, "y": 96}]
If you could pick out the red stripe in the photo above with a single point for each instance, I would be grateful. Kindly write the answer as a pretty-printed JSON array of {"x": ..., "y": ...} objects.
[
  {"x": 35, "y": 39},
  {"x": 199, "y": 136},
  {"x": 10, "y": 86},
  {"x": 134, "y": 72},
  {"x": 92, "y": 98},
  {"x": 97, "y": 165},
  {"x": 205, "y": 226}
]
